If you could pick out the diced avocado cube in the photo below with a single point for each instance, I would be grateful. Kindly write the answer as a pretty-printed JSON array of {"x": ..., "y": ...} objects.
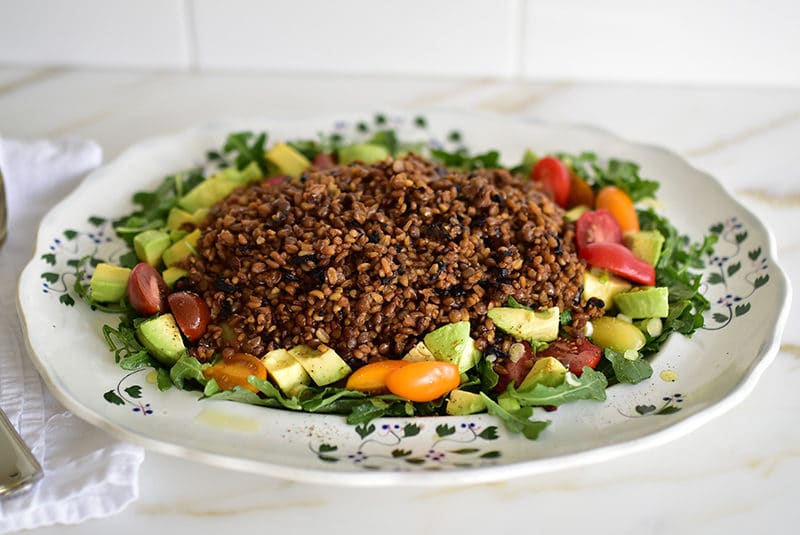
[
  {"x": 604, "y": 286},
  {"x": 287, "y": 160},
  {"x": 363, "y": 152},
  {"x": 286, "y": 371},
  {"x": 178, "y": 217},
  {"x": 461, "y": 403},
  {"x": 644, "y": 302},
  {"x": 575, "y": 213},
  {"x": 617, "y": 334},
  {"x": 172, "y": 274},
  {"x": 162, "y": 337},
  {"x": 546, "y": 371},
  {"x": 452, "y": 343},
  {"x": 109, "y": 283},
  {"x": 208, "y": 193},
  {"x": 324, "y": 366},
  {"x": 150, "y": 245},
  {"x": 419, "y": 353},
  {"x": 527, "y": 324},
  {"x": 645, "y": 244},
  {"x": 251, "y": 173},
  {"x": 181, "y": 248}
]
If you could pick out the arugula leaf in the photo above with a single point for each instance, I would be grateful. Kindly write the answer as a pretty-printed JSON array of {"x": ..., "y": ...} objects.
[
  {"x": 517, "y": 421},
  {"x": 678, "y": 256},
  {"x": 187, "y": 369},
  {"x": 461, "y": 159},
  {"x": 245, "y": 153},
  {"x": 590, "y": 385},
  {"x": 269, "y": 390},
  {"x": 626, "y": 370},
  {"x": 620, "y": 173}
]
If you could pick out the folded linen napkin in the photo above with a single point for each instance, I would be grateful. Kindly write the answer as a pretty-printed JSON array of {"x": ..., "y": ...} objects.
[{"x": 87, "y": 473}]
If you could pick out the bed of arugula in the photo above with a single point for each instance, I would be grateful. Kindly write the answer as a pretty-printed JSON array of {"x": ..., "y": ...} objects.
[{"x": 676, "y": 269}]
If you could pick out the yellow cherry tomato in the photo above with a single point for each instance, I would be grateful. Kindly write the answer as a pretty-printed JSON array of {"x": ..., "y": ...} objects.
[
  {"x": 372, "y": 377},
  {"x": 620, "y": 205},
  {"x": 234, "y": 370},
  {"x": 424, "y": 381}
]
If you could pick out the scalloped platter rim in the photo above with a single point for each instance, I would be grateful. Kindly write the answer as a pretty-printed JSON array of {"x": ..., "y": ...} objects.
[{"x": 694, "y": 379}]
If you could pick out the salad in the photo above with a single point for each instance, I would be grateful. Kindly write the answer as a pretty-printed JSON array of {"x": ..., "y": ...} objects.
[{"x": 637, "y": 286}]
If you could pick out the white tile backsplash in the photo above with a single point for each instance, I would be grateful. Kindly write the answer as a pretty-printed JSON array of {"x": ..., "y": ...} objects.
[
  {"x": 681, "y": 41},
  {"x": 118, "y": 33},
  {"x": 443, "y": 37}
]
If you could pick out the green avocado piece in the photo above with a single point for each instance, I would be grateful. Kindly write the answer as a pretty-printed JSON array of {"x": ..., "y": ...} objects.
[
  {"x": 172, "y": 274},
  {"x": 645, "y": 244},
  {"x": 452, "y": 343},
  {"x": 109, "y": 283},
  {"x": 208, "y": 193},
  {"x": 461, "y": 403},
  {"x": 644, "y": 302},
  {"x": 150, "y": 245},
  {"x": 419, "y": 353},
  {"x": 324, "y": 366},
  {"x": 363, "y": 152},
  {"x": 546, "y": 371},
  {"x": 527, "y": 324},
  {"x": 575, "y": 213},
  {"x": 162, "y": 337},
  {"x": 251, "y": 173},
  {"x": 181, "y": 248},
  {"x": 178, "y": 217},
  {"x": 287, "y": 159},
  {"x": 604, "y": 286},
  {"x": 285, "y": 370}
]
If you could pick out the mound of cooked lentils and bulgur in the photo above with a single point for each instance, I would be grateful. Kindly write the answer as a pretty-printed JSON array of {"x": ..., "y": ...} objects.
[{"x": 366, "y": 259}]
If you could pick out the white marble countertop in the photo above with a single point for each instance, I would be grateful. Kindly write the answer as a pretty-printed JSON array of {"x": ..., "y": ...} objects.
[{"x": 737, "y": 474}]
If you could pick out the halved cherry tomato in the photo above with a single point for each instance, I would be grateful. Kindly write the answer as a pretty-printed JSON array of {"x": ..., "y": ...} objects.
[
  {"x": 324, "y": 160},
  {"x": 372, "y": 377},
  {"x": 234, "y": 370},
  {"x": 616, "y": 201},
  {"x": 147, "y": 291},
  {"x": 515, "y": 371},
  {"x": 580, "y": 192},
  {"x": 424, "y": 381},
  {"x": 191, "y": 314},
  {"x": 596, "y": 226},
  {"x": 573, "y": 353},
  {"x": 619, "y": 260},
  {"x": 554, "y": 176}
]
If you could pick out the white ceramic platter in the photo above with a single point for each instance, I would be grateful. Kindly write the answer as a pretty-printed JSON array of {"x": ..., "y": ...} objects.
[{"x": 711, "y": 372}]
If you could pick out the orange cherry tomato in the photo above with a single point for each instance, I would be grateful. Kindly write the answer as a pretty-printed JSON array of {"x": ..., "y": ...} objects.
[
  {"x": 424, "y": 381},
  {"x": 620, "y": 205},
  {"x": 234, "y": 370},
  {"x": 580, "y": 192},
  {"x": 372, "y": 377}
]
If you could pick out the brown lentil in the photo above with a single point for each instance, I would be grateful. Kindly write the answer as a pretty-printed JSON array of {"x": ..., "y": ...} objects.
[{"x": 368, "y": 258}]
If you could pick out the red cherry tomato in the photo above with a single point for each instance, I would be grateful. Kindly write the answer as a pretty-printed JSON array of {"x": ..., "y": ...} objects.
[
  {"x": 424, "y": 381},
  {"x": 191, "y": 314},
  {"x": 573, "y": 354},
  {"x": 147, "y": 291},
  {"x": 619, "y": 260},
  {"x": 596, "y": 226},
  {"x": 515, "y": 372},
  {"x": 323, "y": 160},
  {"x": 554, "y": 176},
  {"x": 580, "y": 192}
]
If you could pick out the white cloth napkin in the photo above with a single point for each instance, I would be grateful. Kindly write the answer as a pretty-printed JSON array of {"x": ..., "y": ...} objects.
[{"x": 87, "y": 473}]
